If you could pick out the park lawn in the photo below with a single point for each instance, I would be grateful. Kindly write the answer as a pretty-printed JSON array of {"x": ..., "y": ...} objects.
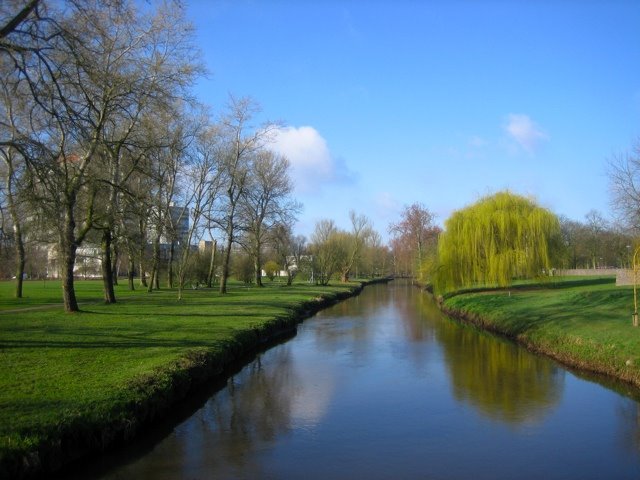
[
  {"x": 58, "y": 368},
  {"x": 586, "y": 323}
]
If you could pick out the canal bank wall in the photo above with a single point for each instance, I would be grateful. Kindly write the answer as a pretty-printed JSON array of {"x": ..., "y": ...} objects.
[{"x": 157, "y": 393}]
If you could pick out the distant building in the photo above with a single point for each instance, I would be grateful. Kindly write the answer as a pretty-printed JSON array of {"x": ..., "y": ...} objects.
[{"x": 89, "y": 257}]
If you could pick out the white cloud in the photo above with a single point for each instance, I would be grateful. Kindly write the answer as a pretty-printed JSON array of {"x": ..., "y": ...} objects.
[
  {"x": 312, "y": 163},
  {"x": 524, "y": 132}
]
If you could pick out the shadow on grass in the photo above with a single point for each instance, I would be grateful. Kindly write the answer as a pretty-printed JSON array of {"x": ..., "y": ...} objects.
[{"x": 547, "y": 284}]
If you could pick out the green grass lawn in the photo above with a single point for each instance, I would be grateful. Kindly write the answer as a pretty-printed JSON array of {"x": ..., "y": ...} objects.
[
  {"x": 56, "y": 368},
  {"x": 585, "y": 322}
]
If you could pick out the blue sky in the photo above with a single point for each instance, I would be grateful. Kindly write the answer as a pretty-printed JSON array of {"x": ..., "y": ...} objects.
[{"x": 440, "y": 102}]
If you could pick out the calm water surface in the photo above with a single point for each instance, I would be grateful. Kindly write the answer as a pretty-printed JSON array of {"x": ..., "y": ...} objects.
[{"x": 384, "y": 386}]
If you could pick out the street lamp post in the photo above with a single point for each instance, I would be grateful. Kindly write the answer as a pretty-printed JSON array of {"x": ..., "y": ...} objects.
[{"x": 634, "y": 317}]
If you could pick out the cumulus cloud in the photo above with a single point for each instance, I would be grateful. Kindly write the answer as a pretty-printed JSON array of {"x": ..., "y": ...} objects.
[
  {"x": 312, "y": 163},
  {"x": 524, "y": 132}
]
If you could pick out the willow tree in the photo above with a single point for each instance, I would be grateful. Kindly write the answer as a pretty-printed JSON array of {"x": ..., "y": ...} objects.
[{"x": 500, "y": 238}]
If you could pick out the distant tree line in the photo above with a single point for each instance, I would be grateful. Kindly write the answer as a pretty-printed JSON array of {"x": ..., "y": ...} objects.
[{"x": 502, "y": 238}]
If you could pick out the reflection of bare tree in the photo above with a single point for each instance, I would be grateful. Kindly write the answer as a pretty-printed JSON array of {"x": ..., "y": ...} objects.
[
  {"x": 254, "y": 408},
  {"x": 351, "y": 325},
  {"x": 224, "y": 437},
  {"x": 411, "y": 309},
  {"x": 499, "y": 378},
  {"x": 346, "y": 326}
]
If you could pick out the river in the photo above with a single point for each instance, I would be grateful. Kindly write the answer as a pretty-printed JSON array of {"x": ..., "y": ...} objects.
[{"x": 384, "y": 386}]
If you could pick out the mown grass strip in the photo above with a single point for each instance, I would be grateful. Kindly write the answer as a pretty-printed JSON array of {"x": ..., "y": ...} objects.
[
  {"x": 583, "y": 323},
  {"x": 64, "y": 377}
]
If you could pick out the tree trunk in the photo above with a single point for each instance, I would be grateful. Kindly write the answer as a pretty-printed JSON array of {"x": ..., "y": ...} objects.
[
  {"x": 20, "y": 258},
  {"x": 143, "y": 273},
  {"x": 143, "y": 248},
  {"x": 130, "y": 271},
  {"x": 172, "y": 249},
  {"x": 114, "y": 265},
  {"x": 68, "y": 290},
  {"x": 67, "y": 254},
  {"x": 212, "y": 265},
  {"x": 67, "y": 247},
  {"x": 17, "y": 232},
  {"x": 257, "y": 263},
  {"x": 153, "y": 278},
  {"x": 107, "y": 272},
  {"x": 226, "y": 259}
]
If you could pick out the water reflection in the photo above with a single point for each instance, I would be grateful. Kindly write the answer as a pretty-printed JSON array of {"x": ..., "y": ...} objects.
[
  {"x": 499, "y": 378},
  {"x": 384, "y": 386}
]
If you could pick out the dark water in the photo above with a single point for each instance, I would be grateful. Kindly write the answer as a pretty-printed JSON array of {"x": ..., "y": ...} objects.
[{"x": 383, "y": 386}]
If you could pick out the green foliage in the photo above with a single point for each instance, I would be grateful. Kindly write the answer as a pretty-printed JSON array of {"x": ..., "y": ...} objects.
[
  {"x": 243, "y": 268},
  {"x": 500, "y": 238},
  {"x": 271, "y": 268}
]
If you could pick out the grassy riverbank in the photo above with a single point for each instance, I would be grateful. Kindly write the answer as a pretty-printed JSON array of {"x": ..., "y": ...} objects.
[
  {"x": 70, "y": 384},
  {"x": 585, "y": 323}
]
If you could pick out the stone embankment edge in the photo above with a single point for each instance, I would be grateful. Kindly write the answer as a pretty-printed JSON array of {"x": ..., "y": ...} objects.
[
  {"x": 156, "y": 394},
  {"x": 567, "y": 359}
]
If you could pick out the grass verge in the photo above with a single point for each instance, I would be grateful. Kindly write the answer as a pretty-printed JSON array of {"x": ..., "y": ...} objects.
[
  {"x": 584, "y": 323},
  {"x": 75, "y": 383}
]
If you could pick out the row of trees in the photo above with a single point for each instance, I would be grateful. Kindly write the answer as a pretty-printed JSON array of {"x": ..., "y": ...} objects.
[
  {"x": 500, "y": 238},
  {"x": 504, "y": 236},
  {"x": 358, "y": 251},
  {"x": 101, "y": 140},
  {"x": 595, "y": 243}
]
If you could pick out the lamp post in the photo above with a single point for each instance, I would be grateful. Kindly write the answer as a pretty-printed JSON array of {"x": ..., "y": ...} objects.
[{"x": 634, "y": 317}]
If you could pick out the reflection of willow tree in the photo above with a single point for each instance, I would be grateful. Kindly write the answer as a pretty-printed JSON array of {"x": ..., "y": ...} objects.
[{"x": 504, "y": 381}]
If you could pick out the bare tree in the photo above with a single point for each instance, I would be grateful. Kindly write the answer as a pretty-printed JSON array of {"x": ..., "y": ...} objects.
[
  {"x": 596, "y": 226},
  {"x": 361, "y": 230},
  {"x": 14, "y": 170},
  {"x": 202, "y": 185},
  {"x": 624, "y": 184},
  {"x": 283, "y": 242},
  {"x": 12, "y": 16},
  {"x": 328, "y": 250},
  {"x": 266, "y": 203},
  {"x": 241, "y": 141},
  {"x": 88, "y": 68},
  {"x": 414, "y": 233},
  {"x": 164, "y": 165}
]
